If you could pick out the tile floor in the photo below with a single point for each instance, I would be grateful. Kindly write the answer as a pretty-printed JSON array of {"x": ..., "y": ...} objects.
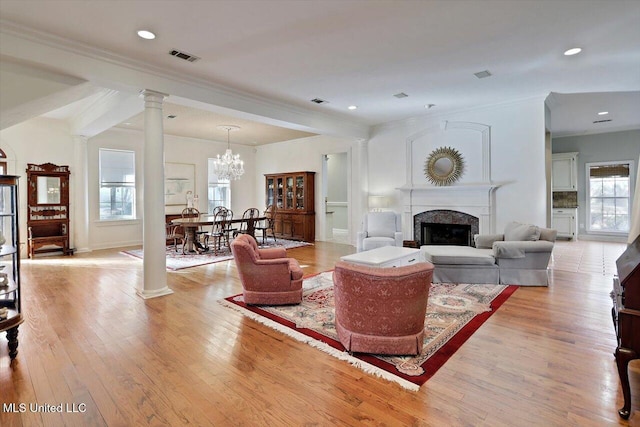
[{"x": 586, "y": 256}]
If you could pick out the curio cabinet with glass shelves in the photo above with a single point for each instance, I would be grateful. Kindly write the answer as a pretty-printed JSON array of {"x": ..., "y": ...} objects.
[{"x": 10, "y": 307}]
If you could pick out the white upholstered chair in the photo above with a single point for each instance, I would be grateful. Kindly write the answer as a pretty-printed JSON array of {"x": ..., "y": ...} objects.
[{"x": 380, "y": 229}]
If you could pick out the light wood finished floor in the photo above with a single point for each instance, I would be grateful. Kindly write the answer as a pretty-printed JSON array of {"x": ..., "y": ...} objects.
[{"x": 545, "y": 358}]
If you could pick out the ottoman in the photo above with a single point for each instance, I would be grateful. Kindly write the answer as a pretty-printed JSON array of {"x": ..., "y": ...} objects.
[{"x": 461, "y": 264}]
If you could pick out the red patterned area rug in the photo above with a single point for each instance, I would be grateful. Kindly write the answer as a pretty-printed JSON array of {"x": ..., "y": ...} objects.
[
  {"x": 178, "y": 260},
  {"x": 454, "y": 313}
]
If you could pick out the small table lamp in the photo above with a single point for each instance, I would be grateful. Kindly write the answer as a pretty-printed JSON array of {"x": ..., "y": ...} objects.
[{"x": 378, "y": 203}]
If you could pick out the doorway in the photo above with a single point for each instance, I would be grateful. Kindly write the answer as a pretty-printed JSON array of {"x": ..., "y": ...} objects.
[{"x": 336, "y": 197}]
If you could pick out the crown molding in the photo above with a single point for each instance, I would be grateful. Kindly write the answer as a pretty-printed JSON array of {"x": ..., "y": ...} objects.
[{"x": 435, "y": 117}]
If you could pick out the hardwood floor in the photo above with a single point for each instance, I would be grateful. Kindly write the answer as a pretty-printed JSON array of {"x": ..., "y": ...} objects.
[{"x": 545, "y": 358}]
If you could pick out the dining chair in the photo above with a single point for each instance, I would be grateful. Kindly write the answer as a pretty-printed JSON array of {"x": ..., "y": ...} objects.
[
  {"x": 172, "y": 234},
  {"x": 195, "y": 213},
  {"x": 268, "y": 224},
  {"x": 216, "y": 209},
  {"x": 218, "y": 232},
  {"x": 190, "y": 213},
  {"x": 249, "y": 214},
  {"x": 229, "y": 230}
]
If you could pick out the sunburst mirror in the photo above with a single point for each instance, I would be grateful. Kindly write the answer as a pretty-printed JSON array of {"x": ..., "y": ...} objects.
[{"x": 444, "y": 166}]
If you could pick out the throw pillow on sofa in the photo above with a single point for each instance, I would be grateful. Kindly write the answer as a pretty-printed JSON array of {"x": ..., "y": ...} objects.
[{"x": 515, "y": 231}]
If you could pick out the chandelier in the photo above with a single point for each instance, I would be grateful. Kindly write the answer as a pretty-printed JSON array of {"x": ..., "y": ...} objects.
[{"x": 228, "y": 166}]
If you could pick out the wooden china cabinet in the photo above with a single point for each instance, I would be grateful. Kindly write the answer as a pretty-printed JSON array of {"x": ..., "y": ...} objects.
[{"x": 292, "y": 195}]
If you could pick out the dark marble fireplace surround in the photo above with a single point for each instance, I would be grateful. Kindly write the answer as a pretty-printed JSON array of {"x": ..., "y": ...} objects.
[{"x": 453, "y": 233}]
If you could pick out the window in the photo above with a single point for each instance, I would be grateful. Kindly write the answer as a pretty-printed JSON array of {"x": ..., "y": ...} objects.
[
  {"x": 117, "y": 185},
  {"x": 609, "y": 196},
  {"x": 218, "y": 190}
]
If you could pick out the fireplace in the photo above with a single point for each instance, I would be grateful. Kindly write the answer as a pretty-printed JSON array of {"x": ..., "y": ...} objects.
[
  {"x": 445, "y": 234},
  {"x": 445, "y": 227}
]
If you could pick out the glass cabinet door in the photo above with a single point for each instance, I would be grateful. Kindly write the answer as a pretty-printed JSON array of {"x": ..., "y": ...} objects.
[
  {"x": 270, "y": 192},
  {"x": 280, "y": 192},
  {"x": 9, "y": 252},
  {"x": 289, "y": 190},
  {"x": 300, "y": 192}
]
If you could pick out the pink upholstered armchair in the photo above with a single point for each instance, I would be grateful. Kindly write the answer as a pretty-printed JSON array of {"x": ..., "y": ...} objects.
[
  {"x": 268, "y": 277},
  {"x": 381, "y": 310}
]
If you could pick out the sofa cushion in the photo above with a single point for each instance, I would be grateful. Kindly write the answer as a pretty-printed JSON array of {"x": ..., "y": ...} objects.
[
  {"x": 485, "y": 241},
  {"x": 381, "y": 224},
  {"x": 377, "y": 242},
  {"x": 548, "y": 234},
  {"x": 457, "y": 255},
  {"x": 520, "y": 232}
]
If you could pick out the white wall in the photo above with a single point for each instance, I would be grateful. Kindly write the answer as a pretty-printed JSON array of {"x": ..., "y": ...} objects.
[
  {"x": 306, "y": 154},
  {"x": 517, "y": 158}
]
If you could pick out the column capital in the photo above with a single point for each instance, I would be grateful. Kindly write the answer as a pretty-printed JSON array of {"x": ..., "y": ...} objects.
[{"x": 153, "y": 98}]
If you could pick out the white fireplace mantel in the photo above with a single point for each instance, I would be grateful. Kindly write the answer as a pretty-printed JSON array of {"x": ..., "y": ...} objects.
[
  {"x": 476, "y": 199},
  {"x": 473, "y": 198}
]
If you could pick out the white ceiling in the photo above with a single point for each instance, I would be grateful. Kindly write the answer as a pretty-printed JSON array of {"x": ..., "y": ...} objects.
[{"x": 362, "y": 52}]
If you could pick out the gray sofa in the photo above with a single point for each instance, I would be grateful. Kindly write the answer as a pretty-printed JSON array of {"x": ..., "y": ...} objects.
[{"x": 520, "y": 256}]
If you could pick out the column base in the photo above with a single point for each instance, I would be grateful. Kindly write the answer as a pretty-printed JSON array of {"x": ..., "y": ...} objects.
[{"x": 146, "y": 294}]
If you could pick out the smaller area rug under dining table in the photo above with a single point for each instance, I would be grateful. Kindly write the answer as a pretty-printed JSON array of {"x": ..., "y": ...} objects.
[
  {"x": 454, "y": 313},
  {"x": 178, "y": 260}
]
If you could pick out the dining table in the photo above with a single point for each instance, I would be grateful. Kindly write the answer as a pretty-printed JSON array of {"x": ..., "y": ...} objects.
[{"x": 192, "y": 224}]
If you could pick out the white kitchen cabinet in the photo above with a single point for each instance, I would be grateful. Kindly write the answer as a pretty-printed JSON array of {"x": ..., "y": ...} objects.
[
  {"x": 564, "y": 171},
  {"x": 564, "y": 220}
]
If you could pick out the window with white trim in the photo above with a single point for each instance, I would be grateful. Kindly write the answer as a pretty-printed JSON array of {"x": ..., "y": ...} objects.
[
  {"x": 609, "y": 190},
  {"x": 117, "y": 185},
  {"x": 218, "y": 190}
]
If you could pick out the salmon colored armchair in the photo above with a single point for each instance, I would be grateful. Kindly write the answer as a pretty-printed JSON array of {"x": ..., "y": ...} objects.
[
  {"x": 381, "y": 310},
  {"x": 268, "y": 277}
]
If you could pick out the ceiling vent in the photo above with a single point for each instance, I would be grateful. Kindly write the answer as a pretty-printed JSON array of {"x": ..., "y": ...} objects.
[
  {"x": 319, "y": 101},
  {"x": 184, "y": 55},
  {"x": 602, "y": 121},
  {"x": 400, "y": 95},
  {"x": 482, "y": 74}
]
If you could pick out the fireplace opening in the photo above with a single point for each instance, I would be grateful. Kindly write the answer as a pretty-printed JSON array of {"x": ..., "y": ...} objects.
[{"x": 445, "y": 234}]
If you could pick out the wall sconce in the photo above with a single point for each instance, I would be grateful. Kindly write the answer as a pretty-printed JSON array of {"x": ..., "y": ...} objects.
[{"x": 378, "y": 203}]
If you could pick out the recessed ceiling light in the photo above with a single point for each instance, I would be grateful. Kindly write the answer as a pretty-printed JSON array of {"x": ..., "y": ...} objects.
[
  {"x": 148, "y": 35},
  {"x": 573, "y": 51},
  {"x": 603, "y": 113},
  {"x": 352, "y": 107}
]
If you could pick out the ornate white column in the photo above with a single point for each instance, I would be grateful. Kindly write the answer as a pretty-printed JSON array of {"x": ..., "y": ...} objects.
[
  {"x": 154, "y": 242},
  {"x": 79, "y": 218}
]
